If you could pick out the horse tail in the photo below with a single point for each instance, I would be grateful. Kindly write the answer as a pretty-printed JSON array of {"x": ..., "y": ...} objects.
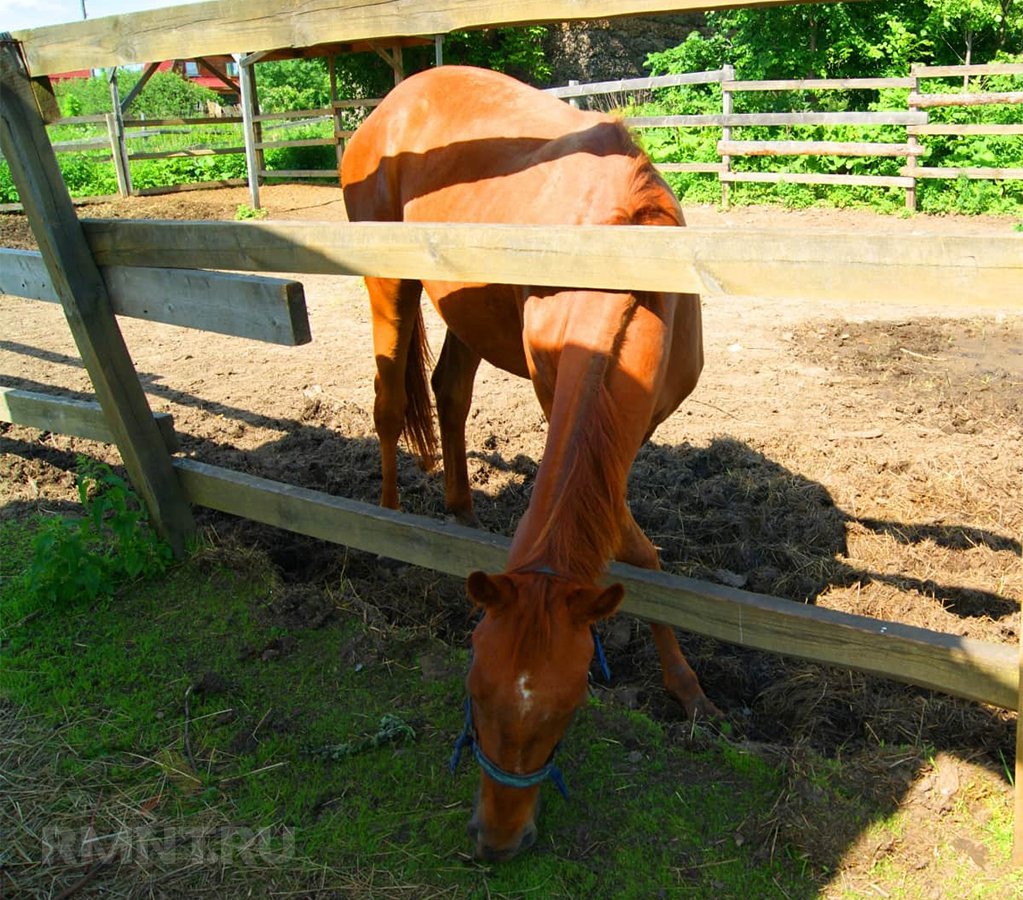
[{"x": 418, "y": 428}]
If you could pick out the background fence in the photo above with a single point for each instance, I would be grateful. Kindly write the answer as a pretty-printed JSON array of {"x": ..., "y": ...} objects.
[{"x": 902, "y": 133}]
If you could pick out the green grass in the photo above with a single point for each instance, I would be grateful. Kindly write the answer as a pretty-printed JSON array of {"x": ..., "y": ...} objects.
[{"x": 112, "y": 677}]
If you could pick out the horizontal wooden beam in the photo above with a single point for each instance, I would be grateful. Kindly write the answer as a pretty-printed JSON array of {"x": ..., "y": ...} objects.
[
  {"x": 960, "y": 71},
  {"x": 629, "y": 85},
  {"x": 690, "y": 167},
  {"x": 62, "y": 415},
  {"x": 819, "y": 84},
  {"x": 799, "y": 263},
  {"x": 947, "y": 663},
  {"x": 738, "y": 120},
  {"x": 815, "y": 148},
  {"x": 971, "y": 172},
  {"x": 229, "y": 26},
  {"x": 179, "y": 154},
  {"x": 964, "y": 129},
  {"x": 256, "y": 307},
  {"x": 895, "y": 181},
  {"x": 991, "y": 98}
]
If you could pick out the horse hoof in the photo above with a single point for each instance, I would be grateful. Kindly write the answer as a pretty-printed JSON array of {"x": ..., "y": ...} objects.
[{"x": 701, "y": 708}]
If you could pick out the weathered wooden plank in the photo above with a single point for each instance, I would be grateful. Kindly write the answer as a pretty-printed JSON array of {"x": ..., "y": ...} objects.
[
  {"x": 222, "y": 26},
  {"x": 197, "y": 120},
  {"x": 969, "y": 172},
  {"x": 818, "y": 84},
  {"x": 256, "y": 307},
  {"x": 818, "y": 178},
  {"x": 193, "y": 151},
  {"x": 299, "y": 173},
  {"x": 804, "y": 264},
  {"x": 738, "y": 120},
  {"x": 298, "y": 142},
  {"x": 357, "y": 103},
  {"x": 690, "y": 167},
  {"x": 629, "y": 85},
  {"x": 990, "y": 98},
  {"x": 184, "y": 188},
  {"x": 86, "y": 303},
  {"x": 960, "y": 71},
  {"x": 63, "y": 415},
  {"x": 964, "y": 129},
  {"x": 960, "y": 666},
  {"x": 814, "y": 148}
]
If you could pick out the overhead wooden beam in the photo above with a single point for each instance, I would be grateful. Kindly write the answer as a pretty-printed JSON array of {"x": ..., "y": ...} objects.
[
  {"x": 224, "y": 26},
  {"x": 86, "y": 303},
  {"x": 798, "y": 264}
]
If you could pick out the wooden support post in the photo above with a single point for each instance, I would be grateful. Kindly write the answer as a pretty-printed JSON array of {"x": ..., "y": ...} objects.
[
  {"x": 338, "y": 125},
  {"x": 118, "y": 146},
  {"x": 573, "y": 101},
  {"x": 247, "y": 81},
  {"x": 914, "y": 143},
  {"x": 438, "y": 50},
  {"x": 1017, "y": 785},
  {"x": 83, "y": 294},
  {"x": 727, "y": 75}
]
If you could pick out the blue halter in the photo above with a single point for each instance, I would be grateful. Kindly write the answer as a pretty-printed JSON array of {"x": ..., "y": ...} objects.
[{"x": 468, "y": 738}]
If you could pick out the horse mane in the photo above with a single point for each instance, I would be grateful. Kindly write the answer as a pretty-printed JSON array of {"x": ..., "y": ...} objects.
[
  {"x": 648, "y": 199},
  {"x": 579, "y": 533}
]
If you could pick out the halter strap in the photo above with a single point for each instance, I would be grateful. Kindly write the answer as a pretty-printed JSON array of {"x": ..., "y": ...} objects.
[{"x": 469, "y": 739}]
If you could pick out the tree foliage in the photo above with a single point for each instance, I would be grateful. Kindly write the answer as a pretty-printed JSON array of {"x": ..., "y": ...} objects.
[{"x": 876, "y": 38}]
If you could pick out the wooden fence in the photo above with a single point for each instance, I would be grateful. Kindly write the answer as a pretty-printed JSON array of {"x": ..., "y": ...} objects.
[
  {"x": 98, "y": 270},
  {"x": 914, "y": 119}
]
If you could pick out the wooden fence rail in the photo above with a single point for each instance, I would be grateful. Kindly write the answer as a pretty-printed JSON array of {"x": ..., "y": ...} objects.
[
  {"x": 73, "y": 253},
  {"x": 915, "y": 120}
]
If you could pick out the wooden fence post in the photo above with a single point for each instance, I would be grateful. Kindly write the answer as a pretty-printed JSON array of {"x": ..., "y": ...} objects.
[
  {"x": 1017, "y": 785},
  {"x": 913, "y": 141},
  {"x": 727, "y": 75},
  {"x": 335, "y": 113},
  {"x": 246, "y": 81},
  {"x": 118, "y": 146},
  {"x": 83, "y": 295}
]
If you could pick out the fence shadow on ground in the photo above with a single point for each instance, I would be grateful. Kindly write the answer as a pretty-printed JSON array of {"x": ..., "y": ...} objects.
[{"x": 717, "y": 512}]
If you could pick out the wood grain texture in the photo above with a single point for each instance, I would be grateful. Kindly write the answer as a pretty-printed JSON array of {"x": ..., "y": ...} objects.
[
  {"x": 256, "y": 307},
  {"x": 804, "y": 264},
  {"x": 966, "y": 668},
  {"x": 63, "y": 415},
  {"x": 230, "y": 26}
]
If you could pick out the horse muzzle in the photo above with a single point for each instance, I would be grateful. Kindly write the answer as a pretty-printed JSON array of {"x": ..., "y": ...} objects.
[{"x": 494, "y": 851}]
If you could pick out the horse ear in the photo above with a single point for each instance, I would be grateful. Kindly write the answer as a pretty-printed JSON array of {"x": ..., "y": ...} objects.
[
  {"x": 590, "y": 605},
  {"x": 489, "y": 591}
]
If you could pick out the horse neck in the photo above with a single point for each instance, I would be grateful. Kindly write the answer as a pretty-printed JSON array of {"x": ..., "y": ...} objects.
[{"x": 571, "y": 527}]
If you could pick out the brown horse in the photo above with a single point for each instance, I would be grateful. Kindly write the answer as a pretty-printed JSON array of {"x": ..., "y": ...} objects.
[{"x": 467, "y": 145}]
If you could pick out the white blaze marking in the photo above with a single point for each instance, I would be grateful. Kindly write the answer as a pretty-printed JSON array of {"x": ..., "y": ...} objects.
[{"x": 525, "y": 693}]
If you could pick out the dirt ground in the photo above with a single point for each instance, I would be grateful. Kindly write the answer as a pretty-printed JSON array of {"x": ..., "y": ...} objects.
[{"x": 861, "y": 457}]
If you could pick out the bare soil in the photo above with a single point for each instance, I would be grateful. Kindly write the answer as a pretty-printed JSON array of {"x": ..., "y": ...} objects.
[{"x": 861, "y": 457}]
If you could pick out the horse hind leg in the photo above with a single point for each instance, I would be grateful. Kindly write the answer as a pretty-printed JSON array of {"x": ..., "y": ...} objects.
[
  {"x": 452, "y": 386},
  {"x": 402, "y": 403},
  {"x": 679, "y": 678}
]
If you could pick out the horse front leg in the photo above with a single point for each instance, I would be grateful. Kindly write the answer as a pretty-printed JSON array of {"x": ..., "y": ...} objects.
[
  {"x": 452, "y": 383},
  {"x": 679, "y": 678}
]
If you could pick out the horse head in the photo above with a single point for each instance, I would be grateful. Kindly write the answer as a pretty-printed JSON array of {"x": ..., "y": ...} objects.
[{"x": 531, "y": 655}]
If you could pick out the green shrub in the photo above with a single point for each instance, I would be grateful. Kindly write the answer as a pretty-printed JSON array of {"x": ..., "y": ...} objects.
[{"x": 82, "y": 559}]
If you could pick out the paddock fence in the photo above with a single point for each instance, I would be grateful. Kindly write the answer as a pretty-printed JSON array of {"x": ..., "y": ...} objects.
[
  {"x": 913, "y": 123},
  {"x": 104, "y": 268}
]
